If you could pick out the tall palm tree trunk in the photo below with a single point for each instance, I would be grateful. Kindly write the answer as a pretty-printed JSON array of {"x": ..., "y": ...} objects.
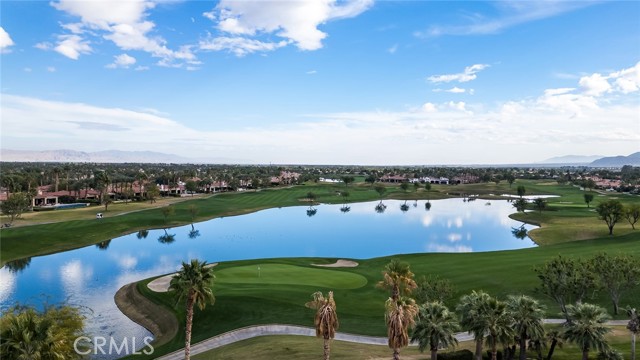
[
  {"x": 523, "y": 347},
  {"x": 396, "y": 354},
  {"x": 554, "y": 342},
  {"x": 585, "y": 354},
  {"x": 434, "y": 354},
  {"x": 494, "y": 350},
  {"x": 479, "y": 349},
  {"x": 187, "y": 340},
  {"x": 327, "y": 350},
  {"x": 633, "y": 346}
]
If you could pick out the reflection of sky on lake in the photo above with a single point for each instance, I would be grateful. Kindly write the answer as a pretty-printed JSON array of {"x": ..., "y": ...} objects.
[{"x": 91, "y": 276}]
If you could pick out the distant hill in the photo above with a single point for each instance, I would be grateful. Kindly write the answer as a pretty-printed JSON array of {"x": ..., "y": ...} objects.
[
  {"x": 617, "y": 161},
  {"x": 572, "y": 159},
  {"x": 107, "y": 156}
]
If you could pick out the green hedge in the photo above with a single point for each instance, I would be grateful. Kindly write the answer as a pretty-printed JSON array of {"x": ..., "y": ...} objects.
[{"x": 456, "y": 355}]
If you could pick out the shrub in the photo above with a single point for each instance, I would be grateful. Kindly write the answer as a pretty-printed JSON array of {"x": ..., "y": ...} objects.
[{"x": 456, "y": 355}]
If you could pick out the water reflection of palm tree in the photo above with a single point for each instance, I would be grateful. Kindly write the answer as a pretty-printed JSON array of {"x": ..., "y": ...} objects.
[
  {"x": 103, "y": 245},
  {"x": 404, "y": 207},
  {"x": 519, "y": 232},
  {"x": 427, "y": 205},
  {"x": 193, "y": 233},
  {"x": 345, "y": 209},
  {"x": 311, "y": 211},
  {"x": 166, "y": 238},
  {"x": 380, "y": 208},
  {"x": 142, "y": 234},
  {"x": 16, "y": 266}
]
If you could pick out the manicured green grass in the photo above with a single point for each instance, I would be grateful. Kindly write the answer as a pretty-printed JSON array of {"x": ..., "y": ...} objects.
[
  {"x": 361, "y": 310},
  {"x": 282, "y": 274}
]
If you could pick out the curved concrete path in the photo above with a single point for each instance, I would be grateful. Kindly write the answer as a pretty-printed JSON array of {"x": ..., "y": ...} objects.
[{"x": 278, "y": 329}]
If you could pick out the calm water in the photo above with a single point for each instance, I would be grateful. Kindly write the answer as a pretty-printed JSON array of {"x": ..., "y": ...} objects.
[{"x": 90, "y": 276}]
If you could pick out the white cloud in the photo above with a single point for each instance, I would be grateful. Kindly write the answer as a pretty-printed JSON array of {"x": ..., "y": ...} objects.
[
  {"x": 239, "y": 46},
  {"x": 510, "y": 14},
  {"x": 456, "y": 90},
  {"x": 122, "y": 61},
  {"x": 27, "y": 69},
  {"x": 72, "y": 46},
  {"x": 51, "y": 69},
  {"x": 122, "y": 22},
  {"x": 393, "y": 49},
  {"x": 296, "y": 22},
  {"x": 311, "y": 72},
  {"x": 557, "y": 121},
  {"x": 5, "y": 41},
  {"x": 429, "y": 107},
  {"x": 454, "y": 237},
  {"x": 468, "y": 74},
  {"x": 595, "y": 84},
  {"x": 44, "y": 46}
]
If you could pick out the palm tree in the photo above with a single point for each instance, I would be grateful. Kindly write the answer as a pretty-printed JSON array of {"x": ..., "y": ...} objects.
[
  {"x": 556, "y": 336},
  {"x": 398, "y": 278},
  {"x": 634, "y": 328},
  {"x": 435, "y": 328},
  {"x": 326, "y": 319},
  {"x": 400, "y": 315},
  {"x": 470, "y": 309},
  {"x": 193, "y": 283},
  {"x": 498, "y": 323},
  {"x": 527, "y": 314},
  {"x": 587, "y": 328}
]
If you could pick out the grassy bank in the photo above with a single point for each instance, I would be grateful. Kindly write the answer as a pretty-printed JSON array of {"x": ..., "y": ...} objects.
[
  {"x": 567, "y": 218},
  {"x": 245, "y": 299}
]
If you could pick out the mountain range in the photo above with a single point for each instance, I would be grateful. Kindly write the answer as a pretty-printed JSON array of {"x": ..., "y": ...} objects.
[{"x": 107, "y": 156}]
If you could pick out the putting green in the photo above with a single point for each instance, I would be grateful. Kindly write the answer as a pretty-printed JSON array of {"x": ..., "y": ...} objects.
[{"x": 290, "y": 275}]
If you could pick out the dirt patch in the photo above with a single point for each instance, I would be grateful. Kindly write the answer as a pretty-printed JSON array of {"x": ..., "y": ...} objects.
[
  {"x": 339, "y": 264},
  {"x": 161, "y": 284},
  {"x": 153, "y": 317}
]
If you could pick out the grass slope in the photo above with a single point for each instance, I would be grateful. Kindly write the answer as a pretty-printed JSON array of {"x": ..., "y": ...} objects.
[{"x": 263, "y": 301}]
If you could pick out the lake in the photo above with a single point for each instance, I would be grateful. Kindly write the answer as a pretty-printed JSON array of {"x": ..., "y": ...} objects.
[{"x": 90, "y": 276}]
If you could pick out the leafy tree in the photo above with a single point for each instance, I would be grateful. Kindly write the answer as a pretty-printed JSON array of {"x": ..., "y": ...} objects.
[
  {"x": 106, "y": 202},
  {"x": 167, "y": 211},
  {"x": 433, "y": 288},
  {"x": 416, "y": 186},
  {"x": 520, "y": 204},
  {"x": 191, "y": 186},
  {"x": 311, "y": 196},
  {"x": 587, "y": 328},
  {"x": 370, "y": 179},
  {"x": 632, "y": 214},
  {"x": 26, "y": 333},
  {"x": 326, "y": 318},
  {"x": 616, "y": 274},
  {"x": 345, "y": 195},
  {"x": 380, "y": 189},
  {"x": 348, "y": 180},
  {"x": 14, "y": 206},
  {"x": 610, "y": 211},
  {"x": 510, "y": 179},
  {"x": 540, "y": 204},
  {"x": 400, "y": 315},
  {"x": 634, "y": 327},
  {"x": 471, "y": 309},
  {"x": 588, "y": 198},
  {"x": 427, "y": 186},
  {"x": 435, "y": 328},
  {"x": 404, "y": 186},
  {"x": 397, "y": 278},
  {"x": 193, "y": 284},
  {"x": 521, "y": 190},
  {"x": 565, "y": 281},
  {"x": 152, "y": 192},
  {"x": 527, "y": 314}
]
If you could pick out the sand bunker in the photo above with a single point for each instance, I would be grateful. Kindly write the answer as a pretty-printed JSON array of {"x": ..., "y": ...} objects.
[
  {"x": 339, "y": 263},
  {"x": 161, "y": 284}
]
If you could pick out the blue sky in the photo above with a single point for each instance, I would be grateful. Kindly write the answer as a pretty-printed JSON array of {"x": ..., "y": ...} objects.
[{"x": 323, "y": 82}]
